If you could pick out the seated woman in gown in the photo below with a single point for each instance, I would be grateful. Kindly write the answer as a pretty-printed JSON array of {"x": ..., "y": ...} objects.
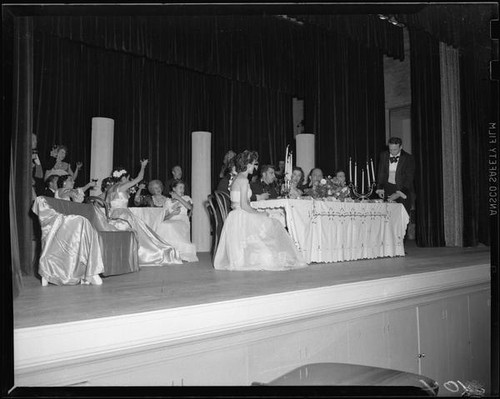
[
  {"x": 61, "y": 168},
  {"x": 296, "y": 183},
  {"x": 176, "y": 227},
  {"x": 155, "y": 197},
  {"x": 250, "y": 240},
  {"x": 66, "y": 191},
  {"x": 153, "y": 250}
]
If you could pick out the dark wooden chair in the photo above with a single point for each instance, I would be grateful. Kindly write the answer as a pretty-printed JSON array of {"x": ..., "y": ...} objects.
[{"x": 218, "y": 206}]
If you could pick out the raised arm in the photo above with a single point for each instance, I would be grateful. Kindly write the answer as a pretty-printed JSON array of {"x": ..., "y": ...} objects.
[
  {"x": 77, "y": 169},
  {"x": 140, "y": 176}
]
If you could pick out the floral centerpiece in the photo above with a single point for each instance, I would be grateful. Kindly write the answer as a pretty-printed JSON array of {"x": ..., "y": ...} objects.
[{"x": 330, "y": 187}]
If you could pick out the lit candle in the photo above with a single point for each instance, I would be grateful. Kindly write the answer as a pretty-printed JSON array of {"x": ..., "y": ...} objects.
[
  {"x": 355, "y": 174},
  {"x": 362, "y": 181},
  {"x": 373, "y": 171},
  {"x": 368, "y": 175},
  {"x": 350, "y": 170}
]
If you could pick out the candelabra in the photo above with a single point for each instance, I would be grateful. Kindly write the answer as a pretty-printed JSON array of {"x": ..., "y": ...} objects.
[{"x": 362, "y": 196}]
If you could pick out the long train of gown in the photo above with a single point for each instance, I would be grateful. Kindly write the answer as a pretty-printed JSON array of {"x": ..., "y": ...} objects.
[
  {"x": 177, "y": 230},
  {"x": 70, "y": 246},
  {"x": 251, "y": 241},
  {"x": 153, "y": 250}
]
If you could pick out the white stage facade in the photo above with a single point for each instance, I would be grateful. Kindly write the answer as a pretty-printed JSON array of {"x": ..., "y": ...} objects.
[{"x": 189, "y": 325}]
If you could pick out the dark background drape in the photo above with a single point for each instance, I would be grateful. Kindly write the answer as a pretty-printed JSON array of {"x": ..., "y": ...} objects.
[
  {"x": 344, "y": 100},
  {"x": 155, "y": 107},
  {"x": 478, "y": 108},
  {"x": 471, "y": 35},
  {"x": 426, "y": 138}
]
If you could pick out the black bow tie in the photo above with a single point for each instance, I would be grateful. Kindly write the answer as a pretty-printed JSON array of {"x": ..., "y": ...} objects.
[{"x": 393, "y": 159}]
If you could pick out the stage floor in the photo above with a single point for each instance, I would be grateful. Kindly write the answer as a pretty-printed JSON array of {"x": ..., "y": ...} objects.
[{"x": 155, "y": 288}]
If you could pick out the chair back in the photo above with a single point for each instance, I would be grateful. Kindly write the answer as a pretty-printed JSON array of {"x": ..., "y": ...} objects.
[{"x": 224, "y": 202}]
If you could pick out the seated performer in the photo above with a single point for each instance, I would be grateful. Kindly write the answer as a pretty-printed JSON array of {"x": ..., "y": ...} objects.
[
  {"x": 105, "y": 185},
  {"x": 71, "y": 253},
  {"x": 155, "y": 199},
  {"x": 50, "y": 186},
  {"x": 176, "y": 227},
  {"x": 225, "y": 182},
  {"x": 176, "y": 175},
  {"x": 61, "y": 168},
  {"x": 315, "y": 177},
  {"x": 265, "y": 187},
  {"x": 297, "y": 183},
  {"x": 251, "y": 240},
  {"x": 66, "y": 191},
  {"x": 153, "y": 251}
]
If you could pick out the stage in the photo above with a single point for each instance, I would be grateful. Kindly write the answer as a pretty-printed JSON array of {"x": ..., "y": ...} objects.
[{"x": 166, "y": 318}]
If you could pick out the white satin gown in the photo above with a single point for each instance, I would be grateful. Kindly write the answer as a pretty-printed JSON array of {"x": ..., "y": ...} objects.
[
  {"x": 153, "y": 250},
  {"x": 252, "y": 241},
  {"x": 177, "y": 230}
]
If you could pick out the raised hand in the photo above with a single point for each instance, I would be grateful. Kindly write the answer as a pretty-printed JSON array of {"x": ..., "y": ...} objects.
[
  {"x": 144, "y": 162},
  {"x": 79, "y": 165},
  {"x": 142, "y": 186}
]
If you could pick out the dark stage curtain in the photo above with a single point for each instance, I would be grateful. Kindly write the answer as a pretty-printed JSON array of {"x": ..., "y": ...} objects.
[
  {"x": 367, "y": 30},
  {"x": 478, "y": 108},
  {"x": 427, "y": 138},
  {"x": 344, "y": 101},
  {"x": 155, "y": 107},
  {"x": 20, "y": 192},
  {"x": 258, "y": 50}
]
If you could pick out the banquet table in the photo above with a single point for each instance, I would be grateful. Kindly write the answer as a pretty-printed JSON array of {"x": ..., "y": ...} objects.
[
  {"x": 336, "y": 231},
  {"x": 150, "y": 215}
]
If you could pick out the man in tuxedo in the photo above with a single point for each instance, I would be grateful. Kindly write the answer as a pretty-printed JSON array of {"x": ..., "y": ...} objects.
[
  {"x": 396, "y": 169},
  {"x": 51, "y": 186},
  {"x": 265, "y": 187}
]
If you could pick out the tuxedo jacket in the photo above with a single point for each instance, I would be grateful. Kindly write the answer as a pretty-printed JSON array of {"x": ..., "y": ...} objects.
[{"x": 405, "y": 172}]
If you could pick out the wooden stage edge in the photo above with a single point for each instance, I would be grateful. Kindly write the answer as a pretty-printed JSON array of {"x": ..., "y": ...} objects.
[
  {"x": 139, "y": 315},
  {"x": 174, "y": 286}
]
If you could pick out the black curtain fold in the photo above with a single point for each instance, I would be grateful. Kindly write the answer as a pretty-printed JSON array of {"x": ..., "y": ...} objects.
[
  {"x": 249, "y": 49},
  {"x": 427, "y": 138},
  {"x": 368, "y": 30},
  {"x": 21, "y": 170},
  {"x": 155, "y": 107},
  {"x": 478, "y": 108},
  {"x": 344, "y": 101},
  {"x": 260, "y": 50}
]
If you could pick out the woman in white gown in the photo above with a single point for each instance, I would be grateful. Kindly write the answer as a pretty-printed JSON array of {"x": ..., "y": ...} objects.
[
  {"x": 176, "y": 227},
  {"x": 251, "y": 240},
  {"x": 153, "y": 251}
]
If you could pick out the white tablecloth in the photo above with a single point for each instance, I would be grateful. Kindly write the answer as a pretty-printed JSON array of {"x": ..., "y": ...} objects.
[
  {"x": 326, "y": 231},
  {"x": 149, "y": 215}
]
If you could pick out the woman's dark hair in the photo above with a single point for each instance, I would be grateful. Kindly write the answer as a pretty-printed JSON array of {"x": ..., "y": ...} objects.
[
  {"x": 229, "y": 165},
  {"x": 107, "y": 183},
  {"x": 395, "y": 140},
  {"x": 244, "y": 158},
  {"x": 50, "y": 179},
  {"x": 301, "y": 181},
  {"x": 175, "y": 183},
  {"x": 62, "y": 180}
]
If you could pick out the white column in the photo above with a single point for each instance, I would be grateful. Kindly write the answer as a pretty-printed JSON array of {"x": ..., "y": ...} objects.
[
  {"x": 101, "y": 155},
  {"x": 305, "y": 152},
  {"x": 200, "y": 188}
]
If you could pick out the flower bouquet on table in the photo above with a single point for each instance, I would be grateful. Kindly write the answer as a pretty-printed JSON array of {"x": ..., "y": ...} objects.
[{"x": 332, "y": 188}]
